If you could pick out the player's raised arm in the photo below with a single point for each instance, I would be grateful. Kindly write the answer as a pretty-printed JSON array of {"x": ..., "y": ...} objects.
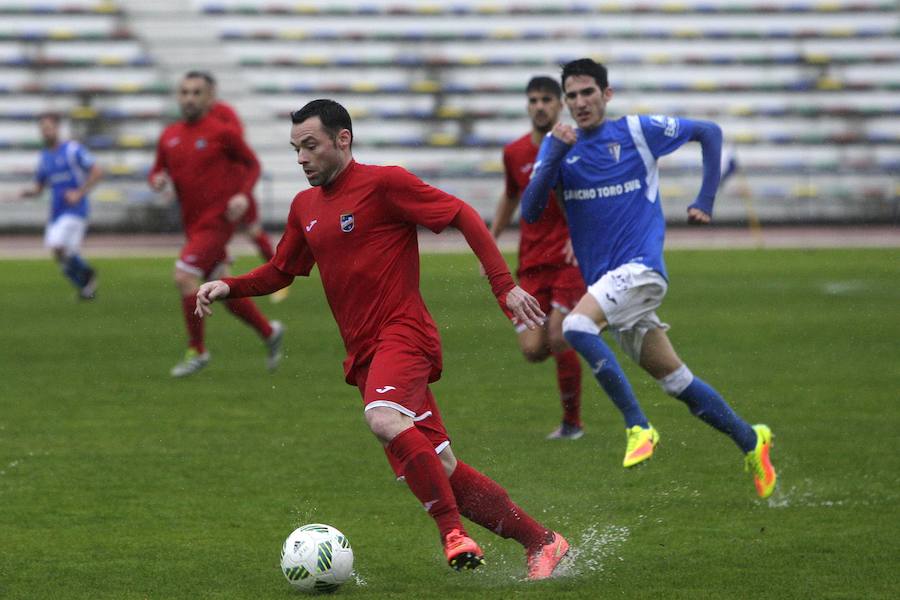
[
  {"x": 545, "y": 171},
  {"x": 709, "y": 135}
]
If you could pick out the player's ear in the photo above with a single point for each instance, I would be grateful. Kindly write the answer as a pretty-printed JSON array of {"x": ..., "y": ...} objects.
[
  {"x": 344, "y": 138},
  {"x": 608, "y": 93}
]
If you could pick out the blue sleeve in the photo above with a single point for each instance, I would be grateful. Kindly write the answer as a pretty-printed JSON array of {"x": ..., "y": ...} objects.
[
  {"x": 84, "y": 157},
  {"x": 710, "y": 137},
  {"x": 666, "y": 134},
  {"x": 544, "y": 177},
  {"x": 40, "y": 173}
]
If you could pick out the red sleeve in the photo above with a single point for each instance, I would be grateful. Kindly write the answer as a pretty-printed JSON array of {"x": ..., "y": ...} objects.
[
  {"x": 226, "y": 114},
  {"x": 262, "y": 280},
  {"x": 512, "y": 188},
  {"x": 479, "y": 239},
  {"x": 159, "y": 163},
  {"x": 417, "y": 202},
  {"x": 293, "y": 255},
  {"x": 240, "y": 152}
]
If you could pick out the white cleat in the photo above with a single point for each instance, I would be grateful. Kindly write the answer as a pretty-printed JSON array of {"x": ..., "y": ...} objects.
[
  {"x": 274, "y": 345},
  {"x": 193, "y": 362}
]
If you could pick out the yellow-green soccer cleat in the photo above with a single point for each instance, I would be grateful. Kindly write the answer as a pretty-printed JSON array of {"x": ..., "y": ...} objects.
[
  {"x": 757, "y": 462},
  {"x": 641, "y": 443}
]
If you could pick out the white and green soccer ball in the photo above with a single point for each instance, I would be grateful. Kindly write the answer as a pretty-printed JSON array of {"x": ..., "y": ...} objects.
[{"x": 316, "y": 558}]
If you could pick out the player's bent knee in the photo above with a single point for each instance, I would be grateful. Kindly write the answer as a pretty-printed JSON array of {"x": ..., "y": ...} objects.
[
  {"x": 535, "y": 355},
  {"x": 558, "y": 343},
  {"x": 677, "y": 381},
  {"x": 387, "y": 423},
  {"x": 576, "y": 323}
]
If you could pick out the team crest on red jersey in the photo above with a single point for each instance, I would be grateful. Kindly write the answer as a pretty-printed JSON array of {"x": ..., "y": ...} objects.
[{"x": 347, "y": 222}]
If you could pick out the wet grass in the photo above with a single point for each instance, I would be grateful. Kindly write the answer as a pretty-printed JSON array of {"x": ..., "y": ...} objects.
[{"x": 118, "y": 482}]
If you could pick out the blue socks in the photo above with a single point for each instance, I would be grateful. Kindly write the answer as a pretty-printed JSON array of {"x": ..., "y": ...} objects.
[
  {"x": 708, "y": 405},
  {"x": 76, "y": 270},
  {"x": 607, "y": 371}
]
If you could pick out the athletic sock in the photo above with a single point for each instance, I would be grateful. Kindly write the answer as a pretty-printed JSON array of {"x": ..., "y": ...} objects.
[
  {"x": 609, "y": 374},
  {"x": 77, "y": 270},
  {"x": 484, "y": 501},
  {"x": 245, "y": 310},
  {"x": 426, "y": 478},
  {"x": 568, "y": 378},
  {"x": 193, "y": 322},
  {"x": 264, "y": 244},
  {"x": 708, "y": 405}
]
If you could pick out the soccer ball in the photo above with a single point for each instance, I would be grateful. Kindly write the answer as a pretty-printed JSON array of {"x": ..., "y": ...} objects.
[{"x": 316, "y": 558}]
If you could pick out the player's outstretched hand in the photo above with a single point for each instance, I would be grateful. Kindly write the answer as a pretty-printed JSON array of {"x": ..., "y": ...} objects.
[
  {"x": 565, "y": 133},
  {"x": 698, "y": 217},
  {"x": 525, "y": 308},
  {"x": 208, "y": 293}
]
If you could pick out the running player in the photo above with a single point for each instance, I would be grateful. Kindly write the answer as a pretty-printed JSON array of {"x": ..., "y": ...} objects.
[
  {"x": 546, "y": 268},
  {"x": 609, "y": 181},
  {"x": 250, "y": 223},
  {"x": 358, "y": 225},
  {"x": 71, "y": 172},
  {"x": 211, "y": 171}
]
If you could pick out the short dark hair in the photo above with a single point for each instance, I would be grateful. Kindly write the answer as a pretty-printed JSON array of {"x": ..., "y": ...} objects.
[
  {"x": 333, "y": 116},
  {"x": 204, "y": 75},
  {"x": 542, "y": 83},
  {"x": 50, "y": 114},
  {"x": 585, "y": 66}
]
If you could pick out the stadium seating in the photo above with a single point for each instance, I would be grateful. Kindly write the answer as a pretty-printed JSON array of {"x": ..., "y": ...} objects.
[{"x": 806, "y": 91}]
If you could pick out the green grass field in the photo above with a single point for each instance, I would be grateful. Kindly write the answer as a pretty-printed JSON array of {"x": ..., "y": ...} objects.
[{"x": 119, "y": 482}]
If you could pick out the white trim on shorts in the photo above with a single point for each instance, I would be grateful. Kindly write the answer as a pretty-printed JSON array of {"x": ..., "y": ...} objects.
[
  {"x": 183, "y": 266},
  {"x": 399, "y": 408}
]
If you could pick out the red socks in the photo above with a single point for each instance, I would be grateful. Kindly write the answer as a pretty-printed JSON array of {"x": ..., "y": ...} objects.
[
  {"x": 426, "y": 478},
  {"x": 245, "y": 310},
  {"x": 193, "y": 322},
  {"x": 568, "y": 377},
  {"x": 264, "y": 244},
  {"x": 485, "y": 502}
]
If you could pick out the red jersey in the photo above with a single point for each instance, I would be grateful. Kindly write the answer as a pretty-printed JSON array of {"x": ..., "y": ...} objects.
[
  {"x": 208, "y": 163},
  {"x": 226, "y": 114},
  {"x": 361, "y": 232},
  {"x": 541, "y": 243}
]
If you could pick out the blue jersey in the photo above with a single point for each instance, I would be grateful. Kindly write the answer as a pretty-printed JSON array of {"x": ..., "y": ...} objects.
[
  {"x": 62, "y": 168},
  {"x": 610, "y": 190}
]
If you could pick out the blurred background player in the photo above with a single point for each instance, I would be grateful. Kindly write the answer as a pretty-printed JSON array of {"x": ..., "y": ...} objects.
[
  {"x": 211, "y": 171},
  {"x": 358, "y": 225},
  {"x": 546, "y": 265},
  {"x": 71, "y": 172},
  {"x": 609, "y": 181},
  {"x": 250, "y": 223}
]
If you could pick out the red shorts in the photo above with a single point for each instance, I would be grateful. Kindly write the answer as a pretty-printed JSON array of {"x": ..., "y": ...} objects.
[
  {"x": 204, "y": 250},
  {"x": 398, "y": 378},
  {"x": 251, "y": 216},
  {"x": 554, "y": 287}
]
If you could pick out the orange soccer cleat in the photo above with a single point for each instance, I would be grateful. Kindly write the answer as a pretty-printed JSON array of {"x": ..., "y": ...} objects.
[
  {"x": 461, "y": 551},
  {"x": 542, "y": 562}
]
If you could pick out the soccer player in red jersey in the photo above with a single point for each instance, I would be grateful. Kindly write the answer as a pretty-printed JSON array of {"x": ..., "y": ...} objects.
[
  {"x": 250, "y": 223},
  {"x": 210, "y": 169},
  {"x": 358, "y": 224},
  {"x": 547, "y": 267}
]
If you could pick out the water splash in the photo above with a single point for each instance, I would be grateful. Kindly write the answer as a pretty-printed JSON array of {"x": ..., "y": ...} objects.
[{"x": 594, "y": 549}]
